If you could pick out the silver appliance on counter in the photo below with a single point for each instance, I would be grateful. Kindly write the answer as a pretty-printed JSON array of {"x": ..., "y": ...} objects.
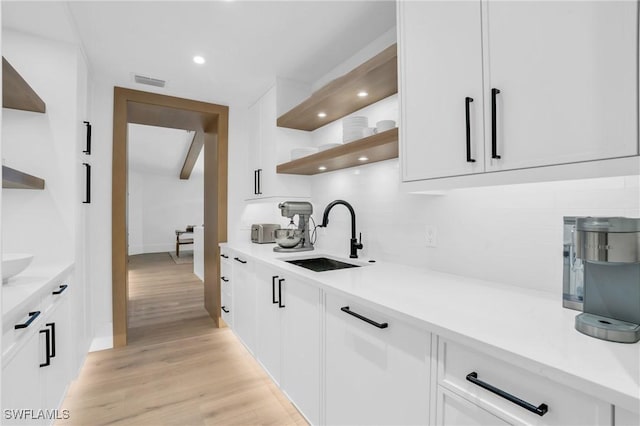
[
  {"x": 263, "y": 233},
  {"x": 294, "y": 240},
  {"x": 608, "y": 249}
]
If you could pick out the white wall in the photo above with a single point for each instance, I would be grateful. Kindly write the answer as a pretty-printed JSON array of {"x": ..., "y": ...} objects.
[
  {"x": 44, "y": 145},
  {"x": 508, "y": 234},
  {"x": 160, "y": 203}
]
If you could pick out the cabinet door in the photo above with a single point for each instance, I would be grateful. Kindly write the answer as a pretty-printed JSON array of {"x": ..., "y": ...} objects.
[
  {"x": 567, "y": 75},
  {"x": 301, "y": 346},
  {"x": 21, "y": 383},
  {"x": 374, "y": 375},
  {"x": 244, "y": 301},
  {"x": 57, "y": 375},
  {"x": 441, "y": 66},
  {"x": 254, "y": 145},
  {"x": 269, "y": 327},
  {"x": 452, "y": 410}
]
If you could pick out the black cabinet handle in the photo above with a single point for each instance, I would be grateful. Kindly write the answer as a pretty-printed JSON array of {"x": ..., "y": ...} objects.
[
  {"x": 88, "y": 149},
  {"x": 539, "y": 410},
  {"x": 224, "y": 309},
  {"x": 365, "y": 319},
  {"x": 240, "y": 260},
  {"x": 255, "y": 182},
  {"x": 494, "y": 126},
  {"x": 259, "y": 181},
  {"x": 273, "y": 289},
  {"x": 224, "y": 256},
  {"x": 32, "y": 317},
  {"x": 87, "y": 199},
  {"x": 225, "y": 279},
  {"x": 47, "y": 337},
  {"x": 467, "y": 101},
  {"x": 52, "y": 325},
  {"x": 280, "y": 305},
  {"x": 61, "y": 289}
]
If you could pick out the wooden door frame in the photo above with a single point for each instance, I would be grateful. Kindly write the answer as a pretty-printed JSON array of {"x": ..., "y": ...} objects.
[{"x": 167, "y": 111}]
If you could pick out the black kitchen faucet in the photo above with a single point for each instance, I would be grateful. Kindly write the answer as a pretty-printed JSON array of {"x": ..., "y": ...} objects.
[{"x": 355, "y": 245}]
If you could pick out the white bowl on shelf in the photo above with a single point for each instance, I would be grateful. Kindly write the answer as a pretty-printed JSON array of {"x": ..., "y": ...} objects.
[
  {"x": 13, "y": 264},
  {"x": 327, "y": 146},
  {"x": 302, "y": 152}
]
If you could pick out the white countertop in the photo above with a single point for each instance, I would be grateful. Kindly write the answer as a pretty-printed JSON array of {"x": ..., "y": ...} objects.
[
  {"x": 28, "y": 284},
  {"x": 528, "y": 328}
]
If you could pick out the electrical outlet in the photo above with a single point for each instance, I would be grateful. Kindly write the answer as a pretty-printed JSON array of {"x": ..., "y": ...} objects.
[{"x": 431, "y": 236}]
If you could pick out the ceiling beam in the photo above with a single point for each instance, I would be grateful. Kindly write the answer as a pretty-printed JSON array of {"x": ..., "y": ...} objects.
[{"x": 192, "y": 156}]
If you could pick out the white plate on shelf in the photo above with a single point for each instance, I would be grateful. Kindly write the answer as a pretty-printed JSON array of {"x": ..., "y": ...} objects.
[{"x": 302, "y": 152}]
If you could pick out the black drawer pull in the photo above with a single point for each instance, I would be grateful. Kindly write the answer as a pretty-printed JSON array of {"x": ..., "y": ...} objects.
[
  {"x": 32, "y": 317},
  {"x": 494, "y": 125},
  {"x": 280, "y": 305},
  {"x": 240, "y": 260},
  {"x": 225, "y": 279},
  {"x": 365, "y": 319},
  {"x": 62, "y": 288},
  {"x": 273, "y": 289},
  {"x": 224, "y": 310},
  {"x": 87, "y": 197},
  {"x": 467, "y": 101},
  {"x": 52, "y": 354},
  {"x": 47, "y": 354},
  {"x": 88, "y": 150},
  {"x": 224, "y": 256},
  {"x": 540, "y": 410}
]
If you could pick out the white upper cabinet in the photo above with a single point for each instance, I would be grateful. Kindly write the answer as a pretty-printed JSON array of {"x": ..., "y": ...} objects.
[
  {"x": 552, "y": 83},
  {"x": 270, "y": 145},
  {"x": 441, "y": 63},
  {"x": 568, "y": 82}
]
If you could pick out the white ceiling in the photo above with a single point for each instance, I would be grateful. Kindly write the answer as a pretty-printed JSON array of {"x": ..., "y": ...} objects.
[
  {"x": 160, "y": 150},
  {"x": 246, "y": 43}
]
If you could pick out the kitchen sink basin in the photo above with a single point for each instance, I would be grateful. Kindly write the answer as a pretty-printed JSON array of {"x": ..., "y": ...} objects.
[{"x": 321, "y": 264}]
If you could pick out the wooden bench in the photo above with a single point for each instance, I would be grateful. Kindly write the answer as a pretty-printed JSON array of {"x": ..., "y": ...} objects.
[{"x": 182, "y": 240}]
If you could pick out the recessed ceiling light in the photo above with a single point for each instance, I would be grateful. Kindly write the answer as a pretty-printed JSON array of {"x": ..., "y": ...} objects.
[
  {"x": 322, "y": 114},
  {"x": 363, "y": 158},
  {"x": 362, "y": 94},
  {"x": 322, "y": 168},
  {"x": 198, "y": 60}
]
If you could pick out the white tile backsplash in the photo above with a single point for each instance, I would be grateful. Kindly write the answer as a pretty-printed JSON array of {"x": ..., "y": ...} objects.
[{"x": 509, "y": 234}]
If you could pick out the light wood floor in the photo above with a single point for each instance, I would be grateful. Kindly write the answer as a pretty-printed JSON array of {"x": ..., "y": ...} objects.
[{"x": 177, "y": 369}]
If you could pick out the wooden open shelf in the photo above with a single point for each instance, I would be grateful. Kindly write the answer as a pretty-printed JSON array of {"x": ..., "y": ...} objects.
[
  {"x": 379, "y": 147},
  {"x": 16, "y": 92},
  {"x": 15, "y": 179},
  {"x": 378, "y": 77}
]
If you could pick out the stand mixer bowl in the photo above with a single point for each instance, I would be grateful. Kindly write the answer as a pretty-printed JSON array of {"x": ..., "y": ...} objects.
[{"x": 288, "y": 238}]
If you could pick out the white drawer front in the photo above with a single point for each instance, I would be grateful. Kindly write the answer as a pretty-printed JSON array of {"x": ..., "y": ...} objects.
[
  {"x": 566, "y": 406},
  {"x": 455, "y": 410}
]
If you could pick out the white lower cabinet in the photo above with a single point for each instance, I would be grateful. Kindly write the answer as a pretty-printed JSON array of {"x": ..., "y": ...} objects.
[
  {"x": 373, "y": 375},
  {"x": 288, "y": 337},
  {"x": 465, "y": 380},
  {"x": 244, "y": 300},
  {"x": 626, "y": 418},
  {"x": 38, "y": 360}
]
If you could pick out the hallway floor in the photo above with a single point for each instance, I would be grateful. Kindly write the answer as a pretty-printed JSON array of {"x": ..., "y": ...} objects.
[{"x": 177, "y": 369}]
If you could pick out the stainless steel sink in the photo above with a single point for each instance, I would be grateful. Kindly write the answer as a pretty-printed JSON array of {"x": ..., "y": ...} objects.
[{"x": 321, "y": 264}]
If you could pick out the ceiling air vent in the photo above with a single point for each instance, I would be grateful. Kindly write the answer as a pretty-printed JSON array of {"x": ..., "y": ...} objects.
[{"x": 148, "y": 80}]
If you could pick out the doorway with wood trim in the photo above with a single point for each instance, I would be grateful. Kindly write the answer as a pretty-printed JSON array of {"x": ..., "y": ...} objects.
[{"x": 211, "y": 123}]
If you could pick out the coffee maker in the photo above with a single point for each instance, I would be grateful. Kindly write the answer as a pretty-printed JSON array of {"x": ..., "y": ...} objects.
[{"x": 609, "y": 251}]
